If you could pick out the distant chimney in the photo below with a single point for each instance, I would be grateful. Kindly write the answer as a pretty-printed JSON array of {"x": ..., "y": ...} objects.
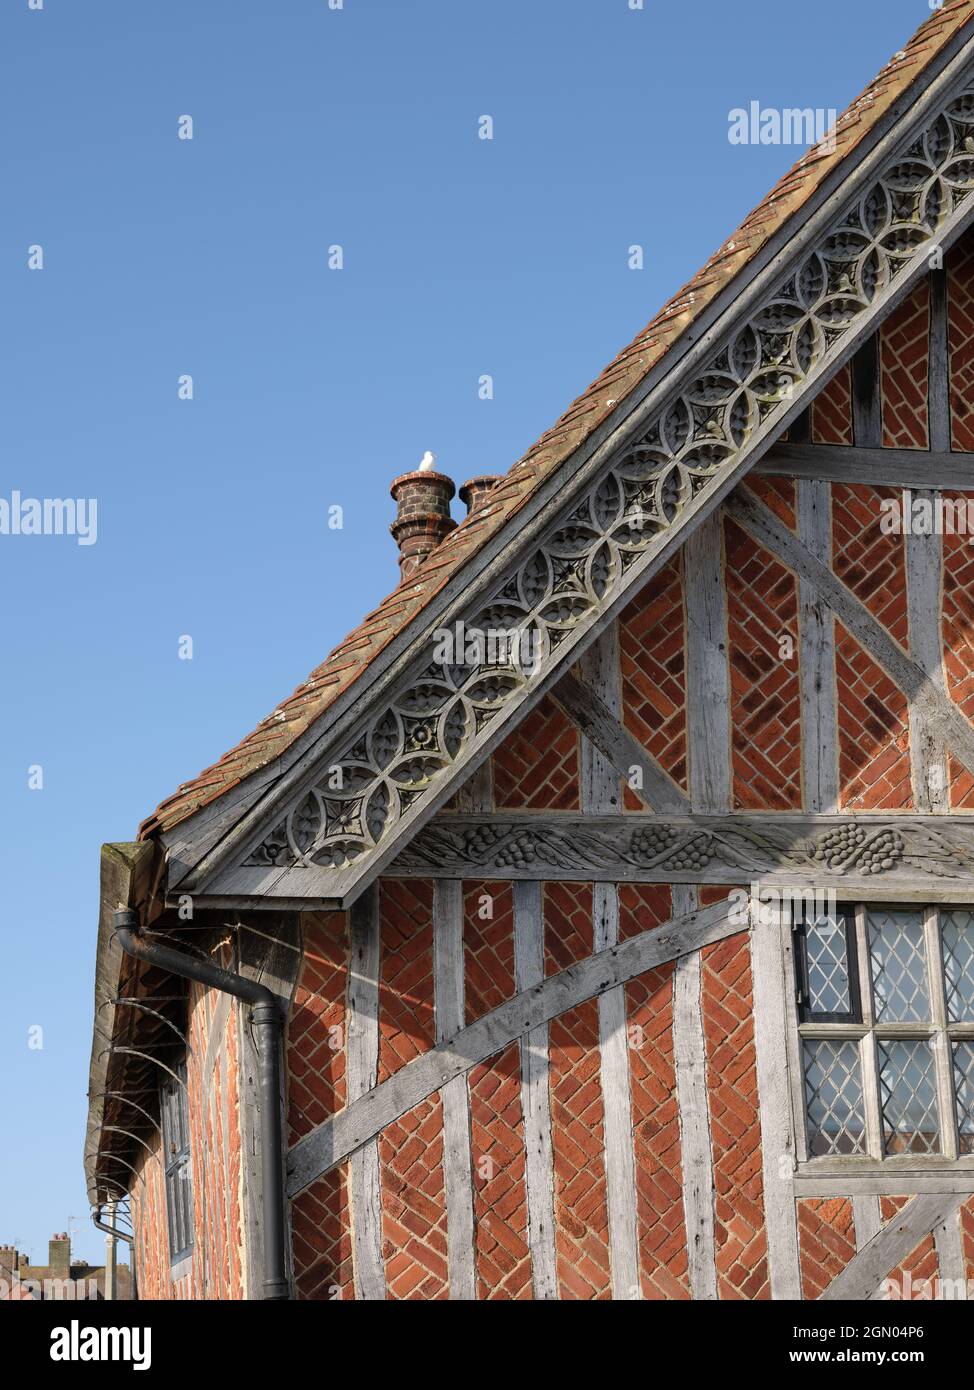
[
  {"x": 423, "y": 513},
  {"x": 474, "y": 492},
  {"x": 59, "y": 1256}
]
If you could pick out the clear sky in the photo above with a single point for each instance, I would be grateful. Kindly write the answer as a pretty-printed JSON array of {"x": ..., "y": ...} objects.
[{"x": 312, "y": 127}]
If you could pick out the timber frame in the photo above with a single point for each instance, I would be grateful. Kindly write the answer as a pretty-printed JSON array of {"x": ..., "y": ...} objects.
[{"x": 322, "y": 827}]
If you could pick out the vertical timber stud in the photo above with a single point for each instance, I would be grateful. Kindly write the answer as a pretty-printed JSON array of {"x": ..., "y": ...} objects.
[
  {"x": 600, "y": 794},
  {"x": 950, "y": 1257},
  {"x": 535, "y": 1099},
  {"x": 709, "y": 747},
  {"x": 708, "y": 679},
  {"x": 449, "y": 1017},
  {"x": 696, "y": 1152},
  {"x": 363, "y": 1066},
  {"x": 774, "y": 1096},
  {"x": 819, "y": 716},
  {"x": 924, "y": 566}
]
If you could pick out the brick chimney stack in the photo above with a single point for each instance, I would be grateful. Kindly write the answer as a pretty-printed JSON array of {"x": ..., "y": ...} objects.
[
  {"x": 423, "y": 513},
  {"x": 474, "y": 492},
  {"x": 59, "y": 1256}
]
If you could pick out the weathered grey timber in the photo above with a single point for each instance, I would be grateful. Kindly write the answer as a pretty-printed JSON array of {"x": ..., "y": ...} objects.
[
  {"x": 708, "y": 676},
  {"x": 950, "y": 1256},
  {"x": 891, "y": 1180},
  {"x": 535, "y": 1100},
  {"x": 362, "y": 1046},
  {"x": 819, "y": 705},
  {"x": 912, "y": 857},
  {"x": 774, "y": 1093},
  {"x": 839, "y": 463},
  {"x": 940, "y": 714},
  {"x": 867, "y": 1269},
  {"x": 449, "y": 1019},
  {"x": 696, "y": 1151},
  {"x": 938, "y": 378},
  {"x": 924, "y": 574},
  {"x": 617, "y": 745},
  {"x": 867, "y": 403},
  {"x": 334, "y": 1139},
  {"x": 866, "y": 1218},
  {"x": 600, "y": 781}
]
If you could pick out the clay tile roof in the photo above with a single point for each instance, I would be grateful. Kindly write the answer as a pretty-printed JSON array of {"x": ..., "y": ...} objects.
[{"x": 350, "y": 658}]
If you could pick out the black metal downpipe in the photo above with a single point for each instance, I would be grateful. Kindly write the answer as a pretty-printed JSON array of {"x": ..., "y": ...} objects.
[
  {"x": 266, "y": 1018},
  {"x": 112, "y": 1230}
]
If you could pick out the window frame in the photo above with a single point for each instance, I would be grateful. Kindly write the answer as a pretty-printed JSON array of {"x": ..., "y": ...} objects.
[
  {"x": 939, "y": 1032},
  {"x": 177, "y": 1163}
]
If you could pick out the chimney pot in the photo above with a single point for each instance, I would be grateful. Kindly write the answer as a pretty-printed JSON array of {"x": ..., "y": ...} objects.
[
  {"x": 474, "y": 492},
  {"x": 423, "y": 517}
]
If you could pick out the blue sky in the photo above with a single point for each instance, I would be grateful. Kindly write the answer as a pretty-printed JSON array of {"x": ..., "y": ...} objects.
[{"x": 312, "y": 387}]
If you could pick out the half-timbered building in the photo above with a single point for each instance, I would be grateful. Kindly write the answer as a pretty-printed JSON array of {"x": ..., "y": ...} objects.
[{"x": 597, "y": 921}]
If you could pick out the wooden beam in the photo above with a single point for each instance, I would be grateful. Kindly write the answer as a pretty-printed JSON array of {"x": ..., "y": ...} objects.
[
  {"x": 535, "y": 1099},
  {"x": 448, "y": 1012},
  {"x": 819, "y": 703},
  {"x": 923, "y": 857},
  {"x": 866, "y": 1217},
  {"x": 617, "y": 745},
  {"x": 708, "y": 676},
  {"x": 838, "y": 463},
  {"x": 696, "y": 1151},
  {"x": 362, "y": 1045},
  {"x": 867, "y": 411},
  {"x": 924, "y": 570},
  {"x": 774, "y": 1093},
  {"x": 334, "y": 1139},
  {"x": 938, "y": 710},
  {"x": 600, "y": 793},
  {"x": 950, "y": 1256},
  {"x": 868, "y": 1268},
  {"x": 890, "y": 1181},
  {"x": 938, "y": 369}
]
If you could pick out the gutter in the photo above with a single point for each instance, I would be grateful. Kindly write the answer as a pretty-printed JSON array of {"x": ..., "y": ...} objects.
[
  {"x": 111, "y": 1230},
  {"x": 266, "y": 1018}
]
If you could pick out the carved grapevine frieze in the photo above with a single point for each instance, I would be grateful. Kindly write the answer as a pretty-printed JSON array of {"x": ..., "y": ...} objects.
[
  {"x": 441, "y": 710},
  {"x": 701, "y": 847}
]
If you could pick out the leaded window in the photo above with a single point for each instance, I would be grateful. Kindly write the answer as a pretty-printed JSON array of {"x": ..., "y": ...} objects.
[
  {"x": 179, "y": 1174},
  {"x": 885, "y": 1006}
]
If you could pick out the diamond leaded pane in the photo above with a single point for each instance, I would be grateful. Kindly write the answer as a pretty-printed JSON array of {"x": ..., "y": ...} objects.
[
  {"x": 833, "y": 1098},
  {"x": 957, "y": 935},
  {"x": 964, "y": 1091},
  {"x": 898, "y": 960},
  {"x": 826, "y": 963},
  {"x": 908, "y": 1094}
]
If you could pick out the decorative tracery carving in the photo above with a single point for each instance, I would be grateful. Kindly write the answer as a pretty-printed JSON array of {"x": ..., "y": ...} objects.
[{"x": 688, "y": 450}]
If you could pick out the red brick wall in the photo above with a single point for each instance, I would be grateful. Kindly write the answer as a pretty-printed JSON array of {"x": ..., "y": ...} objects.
[
  {"x": 652, "y": 653},
  {"x": 320, "y": 1222},
  {"x": 762, "y": 629},
  {"x": 826, "y": 1241},
  {"x": 904, "y": 349},
  {"x": 960, "y": 327},
  {"x": 739, "y": 1234}
]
